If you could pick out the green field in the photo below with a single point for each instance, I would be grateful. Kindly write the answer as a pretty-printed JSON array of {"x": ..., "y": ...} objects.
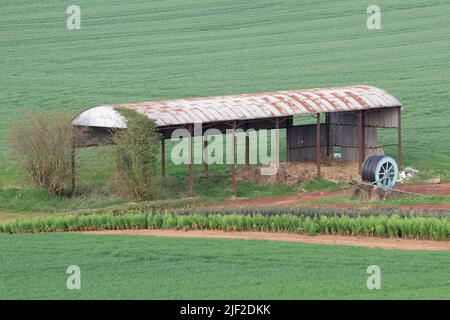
[
  {"x": 139, "y": 267},
  {"x": 140, "y": 50}
]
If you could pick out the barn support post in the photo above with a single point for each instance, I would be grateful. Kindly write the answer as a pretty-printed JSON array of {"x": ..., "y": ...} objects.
[
  {"x": 73, "y": 167},
  {"x": 318, "y": 151},
  {"x": 163, "y": 158},
  {"x": 205, "y": 155},
  {"x": 289, "y": 122},
  {"x": 399, "y": 137},
  {"x": 361, "y": 140},
  {"x": 247, "y": 149},
  {"x": 190, "y": 179},
  {"x": 277, "y": 146},
  {"x": 363, "y": 135},
  {"x": 233, "y": 155},
  {"x": 328, "y": 130}
]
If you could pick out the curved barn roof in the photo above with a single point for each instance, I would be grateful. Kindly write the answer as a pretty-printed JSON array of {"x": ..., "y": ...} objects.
[{"x": 243, "y": 106}]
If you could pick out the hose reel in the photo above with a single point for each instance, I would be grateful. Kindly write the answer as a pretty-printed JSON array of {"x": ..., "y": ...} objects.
[{"x": 381, "y": 171}]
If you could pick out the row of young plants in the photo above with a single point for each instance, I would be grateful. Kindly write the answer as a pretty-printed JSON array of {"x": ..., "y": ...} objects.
[
  {"x": 375, "y": 225},
  {"x": 309, "y": 211},
  {"x": 188, "y": 206}
]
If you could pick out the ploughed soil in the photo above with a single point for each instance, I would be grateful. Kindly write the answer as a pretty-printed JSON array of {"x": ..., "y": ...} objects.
[
  {"x": 370, "y": 242},
  {"x": 308, "y": 197}
]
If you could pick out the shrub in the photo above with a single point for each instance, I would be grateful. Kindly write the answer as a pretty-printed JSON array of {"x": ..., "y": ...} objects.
[
  {"x": 43, "y": 146},
  {"x": 136, "y": 156}
]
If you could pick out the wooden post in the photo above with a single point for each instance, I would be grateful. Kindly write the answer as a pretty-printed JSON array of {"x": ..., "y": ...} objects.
[
  {"x": 205, "y": 155},
  {"x": 288, "y": 139},
  {"x": 190, "y": 179},
  {"x": 233, "y": 167},
  {"x": 318, "y": 151},
  {"x": 163, "y": 158},
  {"x": 399, "y": 138},
  {"x": 73, "y": 168},
  {"x": 247, "y": 149},
  {"x": 361, "y": 140},
  {"x": 363, "y": 135},
  {"x": 330, "y": 154},
  {"x": 277, "y": 146}
]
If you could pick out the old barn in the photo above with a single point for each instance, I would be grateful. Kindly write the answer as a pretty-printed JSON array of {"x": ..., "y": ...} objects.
[{"x": 350, "y": 119}]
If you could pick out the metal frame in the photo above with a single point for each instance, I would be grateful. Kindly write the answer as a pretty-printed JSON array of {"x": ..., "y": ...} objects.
[
  {"x": 205, "y": 155},
  {"x": 163, "y": 158},
  {"x": 259, "y": 124},
  {"x": 362, "y": 140},
  {"x": 289, "y": 125},
  {"x": 190, "y": 174},
  {"x": 399, "y": 137},
  {"x": 73, "y": 166},
  {"x": 328, "y": 138},
  {"x": 233, "y": 166},
  {"x": 318, "y": 151}
]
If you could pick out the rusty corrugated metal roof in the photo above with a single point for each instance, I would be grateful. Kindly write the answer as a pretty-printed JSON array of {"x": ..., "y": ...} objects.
[{"x": 245, "y": 106}]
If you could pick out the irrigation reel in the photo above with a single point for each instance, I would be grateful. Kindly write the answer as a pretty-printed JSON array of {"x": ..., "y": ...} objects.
[
  {"x": 379, "y": 177},
  {"x": 380, "y": 171}
]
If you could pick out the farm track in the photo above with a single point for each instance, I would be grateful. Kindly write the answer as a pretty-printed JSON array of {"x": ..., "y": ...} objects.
[
  {"x": 438, "y": 189},
  {"x": 441, "y": 189},
  {"x": 369, "y": 242}
]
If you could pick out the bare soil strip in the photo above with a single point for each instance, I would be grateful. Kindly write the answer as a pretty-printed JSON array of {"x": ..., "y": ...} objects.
[
  {"x": 282, "y": 200},
  {"x": 437, "y": 189},
  {"x": 306, "y": 198},
  {"x": 370, "y": 242}
]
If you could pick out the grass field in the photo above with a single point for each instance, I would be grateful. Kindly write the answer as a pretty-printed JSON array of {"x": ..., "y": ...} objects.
[
  {"x": 140, "y": 50},
  {"x": 138, "y": 267},
  {"x": 144, "y": 50}
]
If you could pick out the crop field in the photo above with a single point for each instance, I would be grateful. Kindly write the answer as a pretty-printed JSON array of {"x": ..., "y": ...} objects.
[
  {"x": 33, "y": 266},
  {"x": 138, "y": 50}
]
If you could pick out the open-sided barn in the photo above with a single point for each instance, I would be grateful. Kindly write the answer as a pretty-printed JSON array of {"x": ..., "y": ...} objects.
[{"x": 352, "y": 116}]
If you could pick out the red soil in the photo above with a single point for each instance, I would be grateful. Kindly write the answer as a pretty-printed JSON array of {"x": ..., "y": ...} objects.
[
  {"x": 306, "y": 198},
  {"x": 438, "y": 189}
]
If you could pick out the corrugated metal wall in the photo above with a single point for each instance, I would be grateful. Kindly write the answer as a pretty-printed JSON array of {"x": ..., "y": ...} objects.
[
  {"x": 303, "y": 142},
  {"x": 344, "y": 133}
]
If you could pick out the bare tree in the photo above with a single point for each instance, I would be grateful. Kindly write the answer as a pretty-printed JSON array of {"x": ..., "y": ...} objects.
[{"x": 43, "y": 144}]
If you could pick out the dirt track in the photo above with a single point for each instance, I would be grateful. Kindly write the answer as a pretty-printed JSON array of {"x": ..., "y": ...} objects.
[
  {"x": 438, "y": 189},
  {"x": 282, "y": 200},
  {"x": 441, "y": 189},
  {"x": 401, "y": 244}
]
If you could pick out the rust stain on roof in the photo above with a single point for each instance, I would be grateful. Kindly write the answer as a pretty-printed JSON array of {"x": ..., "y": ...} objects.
[{"x": 257, "y": 105}]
